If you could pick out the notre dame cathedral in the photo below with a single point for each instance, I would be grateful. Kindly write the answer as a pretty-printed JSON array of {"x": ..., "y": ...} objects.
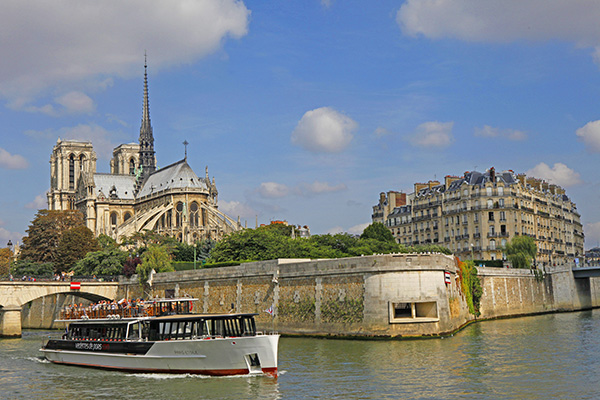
[{"x": 136, "y": 196}]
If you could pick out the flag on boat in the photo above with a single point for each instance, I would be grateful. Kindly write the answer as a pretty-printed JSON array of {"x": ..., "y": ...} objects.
[{"x": 269, "y": 310}]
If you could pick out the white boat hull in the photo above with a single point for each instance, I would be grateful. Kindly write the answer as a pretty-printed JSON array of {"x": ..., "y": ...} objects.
[{"x": 214, "y": 356}]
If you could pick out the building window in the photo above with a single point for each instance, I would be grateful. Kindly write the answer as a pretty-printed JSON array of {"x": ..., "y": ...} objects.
[
  {"x": 132, "y": 167},
  {"x": 475, "y": 217},
  {"x": 501, "y": 203},
  {"x": 492, "y": 230},
  {"x": 488, "y": 191},
  {"x": 71, "y": 172},
  {"x": 502, "y": 216},
  {"x": 179, "y": 215},
  {"x": 491, "y": 216},
  {"x": 113, "y": 219},
  {"x": 500, "y": 191},
  {"x": 492, "y": 245},
  {"x": 490, "y": 203},
  {"x": 126, "y": 216},
  {"x": 194, "y": 214}
]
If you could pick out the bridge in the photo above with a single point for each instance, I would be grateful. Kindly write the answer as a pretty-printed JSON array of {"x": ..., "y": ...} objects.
[
  {"x": 14, "y": 295},
  {"x": 586, "y": 272}
]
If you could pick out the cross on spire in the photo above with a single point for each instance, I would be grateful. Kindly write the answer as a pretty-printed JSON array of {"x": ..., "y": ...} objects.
[{"x": 185, "y": 144}]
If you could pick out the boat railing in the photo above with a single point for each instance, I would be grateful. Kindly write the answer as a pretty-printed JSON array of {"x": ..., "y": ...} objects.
[{"x": 105, "y": 313}]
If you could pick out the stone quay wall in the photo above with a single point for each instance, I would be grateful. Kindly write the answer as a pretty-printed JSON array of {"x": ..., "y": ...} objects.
[
  {"x": 513, "y": 292},
  {"x": 396, "y": 295},
  {"x": 384, "y": 295}
]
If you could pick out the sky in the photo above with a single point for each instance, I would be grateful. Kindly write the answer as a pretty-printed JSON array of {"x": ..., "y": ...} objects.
[{"x": 305, "y": 111}]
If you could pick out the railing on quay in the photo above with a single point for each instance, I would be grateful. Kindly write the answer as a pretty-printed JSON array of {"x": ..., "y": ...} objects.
[{"x": 57, "y": 278}]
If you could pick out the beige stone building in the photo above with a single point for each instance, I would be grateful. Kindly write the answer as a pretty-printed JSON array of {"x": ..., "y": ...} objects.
[
  {"x": 476, "y": 214},
  {"x": 135, "y": 195}
]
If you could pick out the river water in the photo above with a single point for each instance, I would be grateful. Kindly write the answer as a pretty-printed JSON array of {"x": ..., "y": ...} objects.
[{"x": 555, "y": 356}]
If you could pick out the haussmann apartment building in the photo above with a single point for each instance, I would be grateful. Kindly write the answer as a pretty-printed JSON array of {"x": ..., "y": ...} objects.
[{"x": 476, "y": 214}]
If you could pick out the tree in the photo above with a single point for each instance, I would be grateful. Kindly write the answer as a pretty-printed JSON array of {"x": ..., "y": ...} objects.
[
  {"x": 378, "y": 231},
  {"x": 6, "y": 256},
  {"x": 74, "y": 244},
  {"x": 30, "y": 268},
  {"x": 521, "y": 250},
  {"x": 155, "y": 258},
  {"x": 45, "y": 232},
  {"x": 103, "y": 262}
]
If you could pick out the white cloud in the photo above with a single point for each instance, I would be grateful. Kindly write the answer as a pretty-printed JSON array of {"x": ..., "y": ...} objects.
[
  {"x": 358, "y": 229},
  {"x": 326, "y": 3},
  {"x": 592, "y": 234},
  {"x": 381, "y": 132},
  {"x": 590, "y": 134},
  {"x": 324, "y": 130},
  {"x": 502, "y": 20},
  {"x": 559, "y": 174},
  {"x": 69, "y": 42},
  {"x": 40, "y": 202},
  {"x": 433, "y": 134},
  {"x": 272, "y": 190},
  {"x": 491, "y": 132},
  {"x": 76, "y": 102},
  {"x": 320, "y": 187},
  {"x": 236, "y": 208},
  {"x": 335, "y": 229},
  {"x": 12, "y": 161}
]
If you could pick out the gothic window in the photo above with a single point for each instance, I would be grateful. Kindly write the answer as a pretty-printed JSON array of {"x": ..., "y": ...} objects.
[
  {"x": 71, "y": 171},
  {"x": 194, "y": 214},
  {"x": 126, "y": 217},
  {"x": 132, "y": 166},
  {"x": 113, "y": 219},
  {"x": 82, "y": 162},
  {"x": 179, "y": 215},
  {"x": 169, "y": 219}
]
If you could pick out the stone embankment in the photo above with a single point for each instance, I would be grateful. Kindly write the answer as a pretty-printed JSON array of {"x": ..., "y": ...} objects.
[{"x": 395, "y": 295}]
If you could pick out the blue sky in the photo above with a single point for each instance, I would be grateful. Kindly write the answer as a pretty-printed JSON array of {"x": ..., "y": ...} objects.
[{"x": 305, "y": 110}]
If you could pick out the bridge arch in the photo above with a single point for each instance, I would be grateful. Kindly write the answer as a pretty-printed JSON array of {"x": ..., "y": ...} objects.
[{"x": 14, "y": 295}]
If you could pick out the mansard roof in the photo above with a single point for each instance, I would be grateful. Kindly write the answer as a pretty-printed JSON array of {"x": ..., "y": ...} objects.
[
  {"x": 178, "y": 175},
  {"x": 121, "y": 186}
]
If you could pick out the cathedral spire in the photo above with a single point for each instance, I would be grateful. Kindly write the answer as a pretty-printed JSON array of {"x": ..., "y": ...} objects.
[{"x": 147, "y": 158}]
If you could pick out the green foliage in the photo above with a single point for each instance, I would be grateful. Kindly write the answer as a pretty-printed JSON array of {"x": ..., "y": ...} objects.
[
  {"x": 44, "y": 234},
  {"x": 156, "y": 258},
  {"x": 74, "y": 244},
  {"x": 471, "y": 285},
  {"x": 103, "y": 262},
  {"x": 30, "y": 268},
  {"x": 521, "y": 250},
  {"x": 185, "y": 252},
  {"x": 6, "y": 256},
  {"x": 379, "y": 232},
  {"x": 105, "y": 242},
  {"x": 346, "y": 311},
  {"x": 268, "y": 243}
]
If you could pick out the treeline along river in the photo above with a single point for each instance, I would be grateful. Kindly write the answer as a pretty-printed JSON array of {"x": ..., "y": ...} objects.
[{"x": 554, "y": 356}]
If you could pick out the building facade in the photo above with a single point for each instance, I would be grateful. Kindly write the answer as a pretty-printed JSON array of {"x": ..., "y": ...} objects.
[
  {"x": 135, "y": 195},
  {"x": 476, "y": 214}
]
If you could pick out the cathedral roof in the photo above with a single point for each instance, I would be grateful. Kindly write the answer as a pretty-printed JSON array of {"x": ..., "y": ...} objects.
[
  {"x": 120, "y": 186},
  {"x": 178, "y": 175}
]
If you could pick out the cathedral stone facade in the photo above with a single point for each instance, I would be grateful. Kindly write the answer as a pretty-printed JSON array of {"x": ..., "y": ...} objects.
[{"x": 135, "y": 195}]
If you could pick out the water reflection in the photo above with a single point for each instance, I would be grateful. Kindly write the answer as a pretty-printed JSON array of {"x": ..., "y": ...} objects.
[{"x": 550, "y": 356}]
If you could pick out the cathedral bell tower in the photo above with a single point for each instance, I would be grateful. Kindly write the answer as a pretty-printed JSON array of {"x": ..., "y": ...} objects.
[{"x": 147, "y": 160}]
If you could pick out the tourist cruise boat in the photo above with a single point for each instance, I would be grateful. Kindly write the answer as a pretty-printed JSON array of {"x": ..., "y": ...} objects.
[{"x": 163, "y": 336}]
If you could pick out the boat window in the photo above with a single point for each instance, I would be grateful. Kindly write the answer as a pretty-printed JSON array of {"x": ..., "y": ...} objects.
[{"x": 134, "y": 331}]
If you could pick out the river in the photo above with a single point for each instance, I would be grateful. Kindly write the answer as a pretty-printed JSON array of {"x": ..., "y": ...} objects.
[{"x": 554, "y": 356}]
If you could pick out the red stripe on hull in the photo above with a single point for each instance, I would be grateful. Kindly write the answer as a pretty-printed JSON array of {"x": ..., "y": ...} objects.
[{"x": 212, "y": 372}]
